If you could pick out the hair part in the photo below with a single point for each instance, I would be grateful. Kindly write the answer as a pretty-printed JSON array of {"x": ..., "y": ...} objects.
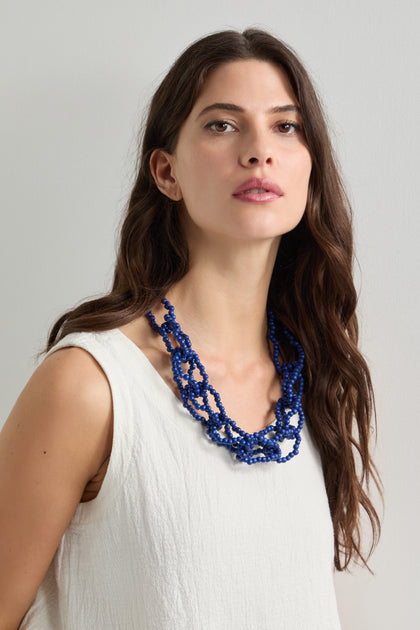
[{"x": 311, "y": 290}]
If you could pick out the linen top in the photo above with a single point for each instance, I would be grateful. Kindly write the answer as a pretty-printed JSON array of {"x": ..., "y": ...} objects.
[{"x": 181, "y": 535}]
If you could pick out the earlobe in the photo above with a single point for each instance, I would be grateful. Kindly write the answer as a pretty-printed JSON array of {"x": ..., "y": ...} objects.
[{"x": 162, "y": 172}]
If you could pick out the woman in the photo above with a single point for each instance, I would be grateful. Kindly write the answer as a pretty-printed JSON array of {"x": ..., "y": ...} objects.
[{"x": 231, "y": 323}]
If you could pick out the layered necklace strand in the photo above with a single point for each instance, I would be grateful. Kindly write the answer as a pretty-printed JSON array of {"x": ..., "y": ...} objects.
[{"x": 196, "y": 392}]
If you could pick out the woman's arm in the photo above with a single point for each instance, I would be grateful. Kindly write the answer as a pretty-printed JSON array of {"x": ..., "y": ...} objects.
[{"x": 57, "y": 436}]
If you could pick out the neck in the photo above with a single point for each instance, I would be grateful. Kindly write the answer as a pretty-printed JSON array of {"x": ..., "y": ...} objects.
[{"x": 221, "y": 302}]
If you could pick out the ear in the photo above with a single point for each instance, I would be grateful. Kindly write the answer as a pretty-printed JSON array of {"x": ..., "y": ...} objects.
[{"x": 161, "y": 168}]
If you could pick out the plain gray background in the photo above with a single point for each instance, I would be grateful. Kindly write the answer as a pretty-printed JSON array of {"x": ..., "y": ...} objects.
[{"x": 75, "y": 79}]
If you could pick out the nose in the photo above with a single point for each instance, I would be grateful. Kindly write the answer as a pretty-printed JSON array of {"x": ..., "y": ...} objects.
[{"x": 256, "y": 150}]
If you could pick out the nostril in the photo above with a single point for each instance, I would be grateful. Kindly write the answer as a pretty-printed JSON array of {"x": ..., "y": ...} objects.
[{"x": 254, "y": 160}]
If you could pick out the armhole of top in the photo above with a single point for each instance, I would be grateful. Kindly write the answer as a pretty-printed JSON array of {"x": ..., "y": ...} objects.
[{"x": 122, "y": 442}]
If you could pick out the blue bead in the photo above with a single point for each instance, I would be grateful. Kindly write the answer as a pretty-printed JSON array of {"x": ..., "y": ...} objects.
[{"x": 246, "y": 444}]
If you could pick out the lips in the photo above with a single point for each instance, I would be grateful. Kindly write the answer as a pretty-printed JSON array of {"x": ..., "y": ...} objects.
[{"x": 256, "y": 189}]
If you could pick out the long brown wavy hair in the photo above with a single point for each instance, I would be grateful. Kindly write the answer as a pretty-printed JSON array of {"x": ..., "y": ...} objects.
[{"x": 311, "y": 289}]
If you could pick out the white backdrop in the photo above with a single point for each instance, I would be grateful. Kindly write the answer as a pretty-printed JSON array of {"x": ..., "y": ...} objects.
[{"x": 75, "y": 77}]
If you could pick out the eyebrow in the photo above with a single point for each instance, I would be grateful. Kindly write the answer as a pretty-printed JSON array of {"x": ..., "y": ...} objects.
[{"x": 230, "y": 107}]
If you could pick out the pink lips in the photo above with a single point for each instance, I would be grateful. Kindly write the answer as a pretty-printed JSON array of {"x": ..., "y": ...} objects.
[{"x": 271, "y": 190}]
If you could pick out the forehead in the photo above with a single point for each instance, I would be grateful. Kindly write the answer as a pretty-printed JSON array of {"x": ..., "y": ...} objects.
[{"x": 246, "y": 82}]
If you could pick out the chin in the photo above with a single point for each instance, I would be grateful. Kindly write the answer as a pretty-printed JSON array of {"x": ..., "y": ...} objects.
[{"x": 264, "y": 229}]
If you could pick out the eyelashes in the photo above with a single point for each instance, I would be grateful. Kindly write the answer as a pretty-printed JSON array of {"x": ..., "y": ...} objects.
[
  {"x": 220, "y": 127},
  {"x": 219, "y": 123},
  {"x": 289, "y": 127}
]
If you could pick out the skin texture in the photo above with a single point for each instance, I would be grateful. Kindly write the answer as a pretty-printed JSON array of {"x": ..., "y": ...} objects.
[
  {"x": 222, "y": 299},
  {"x": 210, "y": 162},
  {"x": 56, "y": 441}
]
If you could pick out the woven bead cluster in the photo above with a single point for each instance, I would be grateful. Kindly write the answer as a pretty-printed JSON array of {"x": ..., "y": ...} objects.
[{"x": 196, "y": 393}]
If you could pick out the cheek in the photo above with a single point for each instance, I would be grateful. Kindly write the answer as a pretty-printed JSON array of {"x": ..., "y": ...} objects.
[
  {"x": 196, "y": 175},
  {"x": 301, "y": 171},
  {"x": 208, "y": 160},
  {"x": 198, "y": 166}
]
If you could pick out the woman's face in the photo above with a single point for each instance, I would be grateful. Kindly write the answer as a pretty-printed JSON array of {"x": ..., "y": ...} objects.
[{"x": 241, "y": 165}]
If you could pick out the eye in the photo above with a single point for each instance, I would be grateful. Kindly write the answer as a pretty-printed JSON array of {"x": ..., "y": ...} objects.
[
  {"x": 220, "y": 126},
  {"x": 289, "y": 128}
]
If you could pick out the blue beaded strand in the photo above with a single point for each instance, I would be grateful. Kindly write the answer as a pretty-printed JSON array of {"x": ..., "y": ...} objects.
[{"x": 246, "y": 447}]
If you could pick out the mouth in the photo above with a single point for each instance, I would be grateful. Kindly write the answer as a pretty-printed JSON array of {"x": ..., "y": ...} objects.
[{"x": 258, "y": 190}]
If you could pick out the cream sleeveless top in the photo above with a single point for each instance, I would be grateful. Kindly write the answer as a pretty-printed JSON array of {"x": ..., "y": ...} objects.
[{"x": 181, "y": 536}]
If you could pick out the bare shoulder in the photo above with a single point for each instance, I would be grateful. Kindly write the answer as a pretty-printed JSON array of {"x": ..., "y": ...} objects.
[
  {"x": 71, "y": 379},
  {"x": 74, "y": 368},
  {"x": 66, "y": 405},
  {"x": 54, "y": 441}
]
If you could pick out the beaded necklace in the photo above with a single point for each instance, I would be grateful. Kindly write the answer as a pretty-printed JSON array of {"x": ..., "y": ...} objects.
[{"x": 261, "y": 446}]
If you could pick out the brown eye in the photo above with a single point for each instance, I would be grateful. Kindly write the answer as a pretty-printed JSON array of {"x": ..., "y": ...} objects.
[
  {"x": 289, "y": 128},
  {"x": 220, "y": 126}
]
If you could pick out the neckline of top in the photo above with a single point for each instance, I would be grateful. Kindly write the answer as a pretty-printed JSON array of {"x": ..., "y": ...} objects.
[{"x": 140, "y": 356}]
